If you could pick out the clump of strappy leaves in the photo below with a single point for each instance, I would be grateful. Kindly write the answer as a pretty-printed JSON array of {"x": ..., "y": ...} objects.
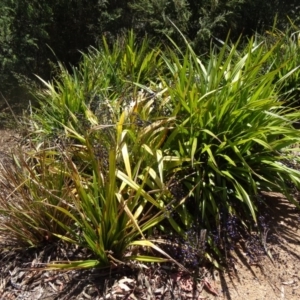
[{"x": 150, "y": 138}]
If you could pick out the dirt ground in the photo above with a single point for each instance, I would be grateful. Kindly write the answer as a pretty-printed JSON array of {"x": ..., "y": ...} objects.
[
  {"x": 272, "y": 278},
  {"x": 269, "y": 280}
]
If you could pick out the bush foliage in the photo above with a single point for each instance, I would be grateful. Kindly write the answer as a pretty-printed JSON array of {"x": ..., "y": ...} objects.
[
  {"x": 140, "y": 139},
  {"x": 160, "y": 116},
  {"x": 31, "y": 31}
]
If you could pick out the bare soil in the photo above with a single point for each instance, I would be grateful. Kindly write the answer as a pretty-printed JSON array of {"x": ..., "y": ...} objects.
[
  {"x": 267, "y": 279},
  {"x": 271, "y": 277}
]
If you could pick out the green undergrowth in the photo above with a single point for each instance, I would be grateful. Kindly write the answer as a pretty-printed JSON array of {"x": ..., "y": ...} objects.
[{"x": 138, "y": 142}]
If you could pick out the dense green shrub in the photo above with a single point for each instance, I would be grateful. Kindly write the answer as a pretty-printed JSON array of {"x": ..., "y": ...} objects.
[
  {"x": 95, "y": 161},
  {"x": 23, "y": 31},
  {"x": 234, "y": 130},
  {"x": 143, "y": 135},
  {"x": 137, "y": 138},
  {"x": 29, "y": 28}
]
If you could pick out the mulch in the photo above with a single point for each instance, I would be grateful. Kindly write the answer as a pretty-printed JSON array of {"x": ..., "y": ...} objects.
[{"x": 23, "y": 276}]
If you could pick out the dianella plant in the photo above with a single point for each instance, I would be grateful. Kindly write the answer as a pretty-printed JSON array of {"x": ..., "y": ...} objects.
[
  {"x": 231, "y": 124},
  {"x": 94, "y": 174},
  {"x": 98, "y": 89},
  {"x": 139, "y": 138}
]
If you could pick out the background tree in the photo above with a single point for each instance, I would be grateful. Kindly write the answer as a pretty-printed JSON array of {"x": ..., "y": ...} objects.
[{"x": 32, "y": 31}]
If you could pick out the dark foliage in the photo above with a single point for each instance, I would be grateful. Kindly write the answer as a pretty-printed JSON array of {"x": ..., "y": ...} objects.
[{"x": 35, "y": 33}]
